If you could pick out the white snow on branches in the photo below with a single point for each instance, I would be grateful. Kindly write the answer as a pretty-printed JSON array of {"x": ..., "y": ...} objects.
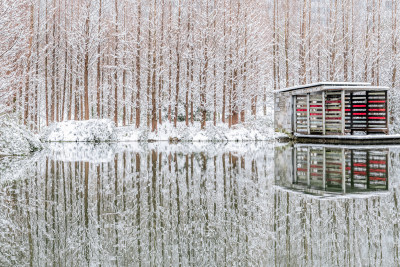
[{"x": 16, "y": 140}]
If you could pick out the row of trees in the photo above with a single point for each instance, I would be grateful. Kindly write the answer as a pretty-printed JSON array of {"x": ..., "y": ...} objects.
[{"x": 148, "y": 62}]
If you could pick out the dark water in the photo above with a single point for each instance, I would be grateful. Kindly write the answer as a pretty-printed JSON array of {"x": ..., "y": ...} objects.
[{"x": 200, "y": 205}]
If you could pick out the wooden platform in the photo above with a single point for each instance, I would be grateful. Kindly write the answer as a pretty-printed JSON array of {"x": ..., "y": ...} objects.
[{"x": 348, "y": 139}]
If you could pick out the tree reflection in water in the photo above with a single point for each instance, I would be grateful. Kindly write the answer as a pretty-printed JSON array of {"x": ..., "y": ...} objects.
[
  {"x": 200, "y": 204},
  {"x": 150, "y": 205}
]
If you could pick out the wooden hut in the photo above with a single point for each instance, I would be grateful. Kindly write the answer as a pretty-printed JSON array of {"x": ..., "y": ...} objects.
[{"x": 332, "y": 108}]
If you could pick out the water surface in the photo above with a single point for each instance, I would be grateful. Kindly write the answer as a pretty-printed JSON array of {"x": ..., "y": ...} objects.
[{"x": 200, "y": 205}]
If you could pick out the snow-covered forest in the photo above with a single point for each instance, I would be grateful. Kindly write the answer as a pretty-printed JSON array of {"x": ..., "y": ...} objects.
[{"x": 145, "y": 63}]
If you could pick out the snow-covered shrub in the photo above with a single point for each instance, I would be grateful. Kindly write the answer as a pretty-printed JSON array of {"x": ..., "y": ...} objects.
[
  {"x": 16, "y": 140},
  {"x": 80, "y": 131}
]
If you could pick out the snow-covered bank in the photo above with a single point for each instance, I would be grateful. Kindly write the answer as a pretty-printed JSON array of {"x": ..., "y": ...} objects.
[
  {"x": 80, "y": 131},
  {"x": 105, "y": 130},
  {"x": 16, "y": 140}
]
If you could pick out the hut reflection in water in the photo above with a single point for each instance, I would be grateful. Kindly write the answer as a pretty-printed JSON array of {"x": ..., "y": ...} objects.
[{"x": 337, "y": 169}]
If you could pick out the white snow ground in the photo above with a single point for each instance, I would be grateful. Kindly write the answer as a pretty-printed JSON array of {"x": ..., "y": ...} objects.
[
  {"x": 105, "y": 130},
  {"x": 16, "y": 140}
]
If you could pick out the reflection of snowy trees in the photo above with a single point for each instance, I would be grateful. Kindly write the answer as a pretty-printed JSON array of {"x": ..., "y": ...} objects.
[
  {"x": 336, "y": 232},
  {"x": 206, "y": 207},
  {"x": 152, "y": 207}
]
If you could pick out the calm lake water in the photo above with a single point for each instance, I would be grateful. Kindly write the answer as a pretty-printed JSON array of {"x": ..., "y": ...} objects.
[{"x": 200, "y": 204}]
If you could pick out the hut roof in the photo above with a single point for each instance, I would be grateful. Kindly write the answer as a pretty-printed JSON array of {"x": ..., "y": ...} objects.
[{"x": 325, "y": 86}]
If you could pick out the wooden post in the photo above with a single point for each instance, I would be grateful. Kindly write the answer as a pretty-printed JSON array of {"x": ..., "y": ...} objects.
[
  {"x": 308, "y": 113},
  {"x": 324, "y": 169},
  {"x": 343, "y": 172},
  {"x": 351, "y": 115},
  {"x": 323, "y": 114},
  {"x": 294, "y": 171},
  {"x": 366, "y": 112},
  {"x": 294, "y": 117},
  {"x": 308, "y": 167},
  {"x": 352, "y": 169},
  {"x": 367, "y": 168},
  {"x": 295, "y": 165},
  {"x": 387, "y": 171},
  {"x": 386, "y": 113},
  {"x": 343, "y": 111}
]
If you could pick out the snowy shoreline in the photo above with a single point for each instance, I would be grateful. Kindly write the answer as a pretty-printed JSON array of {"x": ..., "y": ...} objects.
[
  {"x": 16, "y": 140},
  {"x": 104, "y": 130}
]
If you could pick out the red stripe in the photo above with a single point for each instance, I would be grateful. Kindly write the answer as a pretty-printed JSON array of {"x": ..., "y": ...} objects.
[
  {"x": 336, "y": 118},
  {"x": 377, "y": 109},
  {"x": 348, "y": 168},
  {"x": 333, "y": 180},
  {"x": 377, "y": 170},
  {"x": 315, "y": 114},
  {"x": 377, "y": 178},
  {"x": 301, "y": 169},
  {"x": 315, "y": 166},
  {"x": 332, "y": 101},
  {"x": 316, "y": 174},
  {"x": 376, "y": 118},
  {"x": 347, "y": 109},
  {"x": 359, "y": 106},
  {"x": 315, "y": 106},
  {"x": 360, "y": 173},
  {"x": 301, "y": 109},
  {"x": 377, "y": 101},
  {"x": 377, "y": 161},
  {"x": 333, "y": 109},
  {"x": 359, "y": 113},
  {"x": 359, "y": 164}
]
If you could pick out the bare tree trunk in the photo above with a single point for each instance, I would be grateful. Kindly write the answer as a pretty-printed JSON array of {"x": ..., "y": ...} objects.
[
  {"x": 287, "y": 41},
  {"x": 244, "y": 73},
  {"x": 37, "y": 123},
  {"x": 28, "y": 69},
  {"x": 161, "y": 76},
  {"x": 149, "y": 71},
  {"x": 346, "y": 41},
  {"x": 367, "y": 33},
  {"x": 203, "y": 76},
  {"x": 86, "y": 67},
  {"x": 178, "y": 67},
  {"x": 53, "y": 66},
  {"x": 188, "y": 85},
  {"x": 170, "y": 65},
  {"x": 46, "y": 90},
  {"x": 379, "y": 44},
  {"x": 116, "y": 65},
  {"x": 275, "y": 68},
  {"x": 302, "y": 76},
  {"x": 98, "y": 75},
  {"x": 225, "y": 70},
  {"x": 394, "y": 44},
  {"x": 65, "y": 91},
  {"x": 139, "y": 19},
  {"x": 124, "y": 110},
  {"x": 153, "y": 85},
  {"x": 352, "y": 42},
  {"x": 235, "y": 108}
]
